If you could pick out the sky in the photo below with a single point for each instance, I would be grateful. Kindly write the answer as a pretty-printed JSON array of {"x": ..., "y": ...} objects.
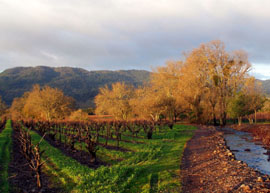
[{"x": 129, "y": 34}]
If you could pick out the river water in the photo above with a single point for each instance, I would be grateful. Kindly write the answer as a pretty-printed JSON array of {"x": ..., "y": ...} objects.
[{"x": 246, "y": 150}]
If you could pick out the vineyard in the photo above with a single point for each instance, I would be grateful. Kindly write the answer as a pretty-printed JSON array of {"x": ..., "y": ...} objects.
[{"x": 93, "y": 156}]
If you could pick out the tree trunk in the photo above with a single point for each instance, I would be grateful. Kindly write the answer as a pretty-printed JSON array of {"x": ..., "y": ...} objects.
[
  {"x": 215, "y": 120},
  {"x": 93, "y": 157},
  {"x": 149, "y": 135},
  {"x": 174, "y": 117},
  {"x": 223, "y": 119},
  {"x": 239, "y": 121},
  {"x": 38, "y": 180},
  {"x": 255, "y": 116},
  {"x": 214, "y": 115},
  {"x": 220, "y": 121}
]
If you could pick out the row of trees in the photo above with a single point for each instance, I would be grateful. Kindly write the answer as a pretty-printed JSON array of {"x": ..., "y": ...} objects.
[
  {"x": 206, "y": 86},
  {"x": 42, "y": 103}
]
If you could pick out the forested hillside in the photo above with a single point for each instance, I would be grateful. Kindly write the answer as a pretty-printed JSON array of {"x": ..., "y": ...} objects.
[
  {"x": 78, "y": 83},
  {"x": 266, "y": 86}
]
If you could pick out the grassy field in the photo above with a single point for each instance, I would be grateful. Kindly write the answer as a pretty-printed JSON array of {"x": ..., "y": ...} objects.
[
  {"x": 5, "y": 150},
  {"x": 149, "y": 166}
]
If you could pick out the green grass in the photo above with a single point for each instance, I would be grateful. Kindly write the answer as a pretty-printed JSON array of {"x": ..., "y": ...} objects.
[
  {"x": 150, "y": 167},
  {"x": 5, "y": 149}
]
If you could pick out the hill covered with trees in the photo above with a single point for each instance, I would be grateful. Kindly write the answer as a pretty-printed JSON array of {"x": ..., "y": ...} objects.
[
  {"x": 266, "y": 86},
  {"x": 78, "y": 83}
]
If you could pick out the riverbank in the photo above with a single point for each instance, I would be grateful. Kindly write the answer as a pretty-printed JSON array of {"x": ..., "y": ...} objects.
[
  {"x": 260, "y": 132},
  {"x": 209, "y": 166}
]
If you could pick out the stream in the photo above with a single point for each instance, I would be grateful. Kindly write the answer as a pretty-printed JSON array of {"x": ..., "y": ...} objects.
[{"x": 245, "y": 149}]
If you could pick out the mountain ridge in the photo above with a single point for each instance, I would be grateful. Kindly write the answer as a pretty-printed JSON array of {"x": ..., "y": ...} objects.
[
  {"x": 266, "y": 86},
  {"x": 81, "y": 84}
]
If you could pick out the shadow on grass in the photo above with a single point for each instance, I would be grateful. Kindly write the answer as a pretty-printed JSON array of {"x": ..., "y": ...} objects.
[
  {"x": 5, "y": 145},
  {"x": 3, "y": 164},
  {"x": 153, "y": 183},
  {"x": 66, "y": 183}
]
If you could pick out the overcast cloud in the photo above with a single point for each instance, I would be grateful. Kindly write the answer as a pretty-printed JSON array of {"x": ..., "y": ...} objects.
[{"x": 129, "y": 34}]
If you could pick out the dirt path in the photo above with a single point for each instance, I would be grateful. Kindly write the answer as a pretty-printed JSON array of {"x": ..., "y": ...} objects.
[{"x": 208, "y": 166}]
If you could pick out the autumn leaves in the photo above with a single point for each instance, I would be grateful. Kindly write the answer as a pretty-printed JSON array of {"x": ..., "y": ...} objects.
[
  {"x": 42, "y": 103},
  {"x": 199, "y": 88}
]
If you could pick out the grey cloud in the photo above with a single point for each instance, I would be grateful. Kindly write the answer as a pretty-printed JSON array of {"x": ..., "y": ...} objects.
[
  {"x": 121, "y": 34},
  {"x": 260, "y": 76}
]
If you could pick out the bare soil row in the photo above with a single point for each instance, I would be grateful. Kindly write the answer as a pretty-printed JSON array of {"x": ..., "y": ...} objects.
[
  {"x": 21, "y": 176},
  {"x": 81, "y": 156}
]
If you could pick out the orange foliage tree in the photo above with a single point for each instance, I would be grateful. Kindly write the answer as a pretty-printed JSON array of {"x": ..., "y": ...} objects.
[
  {"x": 199, "y": 87},
  {"x": 42, "y": 103},
  {"x": 210, "y": 72},
  {"x": 115, "y": 101}
]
